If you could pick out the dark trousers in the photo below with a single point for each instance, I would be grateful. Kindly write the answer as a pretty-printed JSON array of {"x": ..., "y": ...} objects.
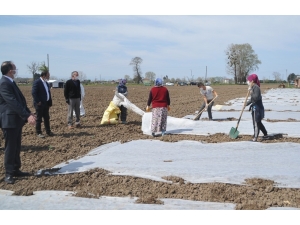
[
  {"x": 258, "y": 126},
  {"x": 208, "y": 109},
  {"x": 123, "y": 113},
  {"x": 42, "y": 112},
  {"x": 12, "y": 160}
]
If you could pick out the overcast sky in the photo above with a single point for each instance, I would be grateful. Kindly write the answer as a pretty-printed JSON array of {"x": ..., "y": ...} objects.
[{"x": 178, "y": 38}]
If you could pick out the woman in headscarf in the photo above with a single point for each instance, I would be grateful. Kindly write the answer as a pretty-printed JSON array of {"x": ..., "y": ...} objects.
[
  {"x": 160, "y": 100},
  {"x": 257, "y": 107},
  {"x": 121, "y": 88}
]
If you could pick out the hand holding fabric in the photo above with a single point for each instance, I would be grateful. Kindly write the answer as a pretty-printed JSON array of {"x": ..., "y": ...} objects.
[{"x": 148, "y": 109}]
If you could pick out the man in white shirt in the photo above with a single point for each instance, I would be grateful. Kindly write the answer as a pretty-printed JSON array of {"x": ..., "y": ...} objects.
[
  {"x": 42, "y": 101},
  {"x": 208, "y": 94}
]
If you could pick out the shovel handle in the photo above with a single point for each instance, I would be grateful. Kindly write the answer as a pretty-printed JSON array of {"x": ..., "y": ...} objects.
[
  {"x": 196, "y": 117},
  {"x": 242, "y": 110}
]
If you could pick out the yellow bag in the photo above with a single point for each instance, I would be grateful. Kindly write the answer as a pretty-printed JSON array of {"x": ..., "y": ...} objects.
[{"x": 110, "y": 115}]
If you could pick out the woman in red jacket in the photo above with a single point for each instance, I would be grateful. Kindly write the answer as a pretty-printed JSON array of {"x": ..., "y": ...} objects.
[{"x": 160, "y": 100}]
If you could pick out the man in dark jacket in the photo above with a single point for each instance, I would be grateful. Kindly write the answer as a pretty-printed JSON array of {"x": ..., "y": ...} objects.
[
  {"x": 42, "y": 101},
  {"x": 72, "y": 93},
  {"x": 14, "y": 113}
]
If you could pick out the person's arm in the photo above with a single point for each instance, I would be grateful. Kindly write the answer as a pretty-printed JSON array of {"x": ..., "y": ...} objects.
[
  {"x": 66, "y": 90},
  {"x": 205, "y": 99},
  {"x": 126, "y": 93},
  {"x": 8, "y": 94},
  {"x": 149, "y": 98},
  {"x": 215, "y": 93},
  {"x": 34, "y": 92},
  {"x": 79, "y": 89},
  {"x": 168, "y": 98}
]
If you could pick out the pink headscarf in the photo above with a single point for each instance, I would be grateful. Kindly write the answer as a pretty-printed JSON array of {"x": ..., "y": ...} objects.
[{"x": 253, "y": 77}]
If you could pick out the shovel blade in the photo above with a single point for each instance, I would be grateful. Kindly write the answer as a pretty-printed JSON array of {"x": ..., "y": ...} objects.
[{"x": 234, "y": 133}]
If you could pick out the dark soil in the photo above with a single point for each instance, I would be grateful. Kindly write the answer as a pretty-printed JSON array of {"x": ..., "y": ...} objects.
[{"x": 68, "y": 144}]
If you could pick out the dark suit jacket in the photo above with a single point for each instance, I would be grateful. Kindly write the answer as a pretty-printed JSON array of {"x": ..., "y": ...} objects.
[
  {"x": 13, "y": 108},
  {"x": 39, "y": 93}
]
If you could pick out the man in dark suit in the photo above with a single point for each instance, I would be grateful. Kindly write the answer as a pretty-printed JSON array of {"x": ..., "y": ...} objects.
[
  {"x": 14, "y": 113},
  {"x": 42, "y": 101}
]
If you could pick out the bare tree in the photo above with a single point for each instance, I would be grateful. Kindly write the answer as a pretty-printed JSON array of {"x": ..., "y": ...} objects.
[
  {"x": 81, "y": 75},
  {"x": 136, "y": 61},
  {"x": 33, "y": 68},
  {"x": 127, "y": 77},
  {"x": 277, "y": 76},
  {"x": 150, "y": 75},
  {"x": 241, "y": 60}
]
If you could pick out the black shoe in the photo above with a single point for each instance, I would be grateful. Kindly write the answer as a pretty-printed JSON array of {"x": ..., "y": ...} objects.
[
  {"x": 50, "y": 134},
  {"x": 9, "y": 179},
  {"x": 19, "y": 173}
]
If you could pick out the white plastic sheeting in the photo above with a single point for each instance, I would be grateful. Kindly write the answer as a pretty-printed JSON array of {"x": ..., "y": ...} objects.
[
  {"x": 126, "y": 103},
  {"x": 196, "y": 162},
  {"x": 63, "y": 200}
]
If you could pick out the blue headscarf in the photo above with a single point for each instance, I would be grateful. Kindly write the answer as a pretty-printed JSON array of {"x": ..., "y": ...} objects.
[
  {"x": 158, "y": 82},
  {"x": 122, "y": 82}
]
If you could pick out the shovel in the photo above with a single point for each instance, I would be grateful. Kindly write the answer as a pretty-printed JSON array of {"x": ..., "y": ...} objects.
[
  {"x": 198, "y": 115},
  {"x": 234, "y": 133}
]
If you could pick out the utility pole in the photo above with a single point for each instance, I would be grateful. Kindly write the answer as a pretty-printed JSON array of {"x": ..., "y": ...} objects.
[
  {"x": 287, "y": 78},
  {"x": 205, "y": 74},
  {"x": 48, "y": 62}
]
